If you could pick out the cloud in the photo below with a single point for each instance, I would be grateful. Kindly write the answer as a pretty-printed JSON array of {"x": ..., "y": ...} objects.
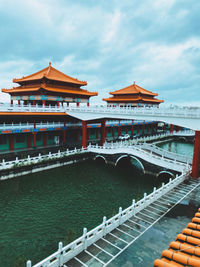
[{"x": 108, "y": 43}]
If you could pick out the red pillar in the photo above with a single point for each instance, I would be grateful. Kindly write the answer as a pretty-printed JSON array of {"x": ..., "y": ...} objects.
[
  {"x": 132, "y": 128},
  {"x": 88, "y": 104},
  {"x": 11, "y": 142},
  {"x": 143, "y": 129},
  {"x": 11, "y": 102},
  {"x": 18, "y": 102},
  {"x": 103, "y": 132},
  {"x": 43, "y": 102},
  {"x": 77, "y": 104},
  {"x": 171, "y": 128},
  {"x": 29, "y": 141},
  {"x": 196, "y": 156},
  {"x": 33, "y": 102},
  {"x": 44, "y": 139},
  {"x": 58, "y": 104},
  {"x": 84, "y": 134}
]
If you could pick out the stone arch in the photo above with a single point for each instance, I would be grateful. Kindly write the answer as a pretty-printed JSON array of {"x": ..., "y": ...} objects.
[
  {"x": 136, "y": 159},
  {"x": 165, "y": 172},
  {"x": 100, "y": 156}
]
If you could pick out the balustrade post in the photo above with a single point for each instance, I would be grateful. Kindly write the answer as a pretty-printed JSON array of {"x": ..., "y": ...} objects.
[
  {"x": 104, "y": 225},
  {"x": 120, "y": 214},
  {"x": 85, "y": 237},
  {"x": 60, "y": 247}
]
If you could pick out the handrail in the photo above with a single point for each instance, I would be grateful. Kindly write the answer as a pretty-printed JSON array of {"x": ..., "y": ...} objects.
[
  {"x": 165, "y": 112},
  {"x": 71, "y": 250}
]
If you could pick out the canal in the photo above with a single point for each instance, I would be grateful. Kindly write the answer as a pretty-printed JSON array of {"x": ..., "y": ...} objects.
[{"x": 39, "y": 210}]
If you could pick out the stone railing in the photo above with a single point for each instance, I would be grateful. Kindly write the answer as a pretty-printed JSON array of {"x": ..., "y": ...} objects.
[
  {"x": 71, "y": 250},
  {"x": 38, "y": 159},
  {"x": 153, "y": 111},
  {"x": 149, "y": 156}
]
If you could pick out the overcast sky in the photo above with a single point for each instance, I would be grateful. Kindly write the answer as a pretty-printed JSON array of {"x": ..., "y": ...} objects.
[{"x": 108, "y": 43}]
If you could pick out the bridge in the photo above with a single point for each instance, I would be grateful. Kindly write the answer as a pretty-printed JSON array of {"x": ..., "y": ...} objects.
[
  {"x": 104, "y": 243},
  {"x": 143, "y": 154},
  {"x": 184, "y": 117}
]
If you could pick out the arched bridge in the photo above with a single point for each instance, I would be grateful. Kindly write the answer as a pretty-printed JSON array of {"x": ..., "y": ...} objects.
[{"x": 147, "y": 158}]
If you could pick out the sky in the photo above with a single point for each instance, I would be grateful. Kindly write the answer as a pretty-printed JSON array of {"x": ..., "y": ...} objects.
[{"x": 108, "y": 43}]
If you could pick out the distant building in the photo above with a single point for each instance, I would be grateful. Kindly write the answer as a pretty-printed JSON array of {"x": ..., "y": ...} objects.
[
  {"x": 134, "y": 96},
  {"x": 49, "y": 86}
]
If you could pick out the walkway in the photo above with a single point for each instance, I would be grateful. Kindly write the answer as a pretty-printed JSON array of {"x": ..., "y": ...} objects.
[
  {"x": 103, "y": 244},
  {"x": 161, "y": 158}
]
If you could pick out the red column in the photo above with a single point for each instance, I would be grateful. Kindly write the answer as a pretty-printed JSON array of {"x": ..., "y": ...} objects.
[
  {"x": 84, "y": 134},
  {"x": 171, "y": 128},
  {"x": 143, "y": 129},
  {"x": 43, "y": 102},
  {"x": 88, "y": 104},
  {"x": 58, "y": 104},
  {"x": 11, "y": 102},
  {"x": 77, "y": 104},
  {"x": 11, "y": 142},
  {"x": 29, "y": 141},
  {"x": 44, "y": 139},
  {"x": 119, "y": 129},
  {"x": 103, "y": 132},
  {"x": 196, "y": 156},
  {"x": 33, "y": 102},
  {"x": 18, "y": 102}
]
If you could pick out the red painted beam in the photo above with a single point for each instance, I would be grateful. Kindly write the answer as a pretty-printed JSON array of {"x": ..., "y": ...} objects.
[{"x": 84, "y": 134}]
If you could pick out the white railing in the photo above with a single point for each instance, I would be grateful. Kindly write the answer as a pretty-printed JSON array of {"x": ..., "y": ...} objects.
[
  {"x": 68, "y": 252},
  {"x": 38, "y": 159},
  {"x": 149, "y": 156},
  {"x": 153, "y": 111},
  {"x": 166, "y": 153}
]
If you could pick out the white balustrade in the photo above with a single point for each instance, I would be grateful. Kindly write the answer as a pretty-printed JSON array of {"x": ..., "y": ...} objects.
[{"x": 71, "y": 250}]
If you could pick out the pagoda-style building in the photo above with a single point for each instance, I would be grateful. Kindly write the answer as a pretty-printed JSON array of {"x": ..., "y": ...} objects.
[
  {"x": 49, "y": 86},
  {"x": 134, "y": 96}
]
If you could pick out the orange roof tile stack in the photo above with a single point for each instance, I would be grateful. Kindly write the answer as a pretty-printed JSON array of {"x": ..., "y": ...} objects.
[
  {"x": 49, "y": 81},
  {"x": 185, "y": 251},
  {"x": 133, "y": 94}
]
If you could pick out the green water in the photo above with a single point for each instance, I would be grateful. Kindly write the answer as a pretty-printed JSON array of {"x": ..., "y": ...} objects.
[
  {"x": 180, "y": 148},
  {"x": 39, "y": 210}
]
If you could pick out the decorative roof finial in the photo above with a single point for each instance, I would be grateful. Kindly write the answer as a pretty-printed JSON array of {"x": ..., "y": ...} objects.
[{"x": 49, "y": 63}]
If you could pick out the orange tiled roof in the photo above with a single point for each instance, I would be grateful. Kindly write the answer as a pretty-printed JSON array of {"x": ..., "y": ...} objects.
[
  {"x": 50, "y": 89},
  {"x": 133, "y": 89},
  {"x": 52, "y": 74},
  {"x": 132, "y": 99},
  {"x": 185, "y": 251}
]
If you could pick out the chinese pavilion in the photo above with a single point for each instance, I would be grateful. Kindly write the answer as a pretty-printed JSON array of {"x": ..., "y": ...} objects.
[
  {"x": 134, "y": 96},
  {"x": 49, "y": 86}
]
